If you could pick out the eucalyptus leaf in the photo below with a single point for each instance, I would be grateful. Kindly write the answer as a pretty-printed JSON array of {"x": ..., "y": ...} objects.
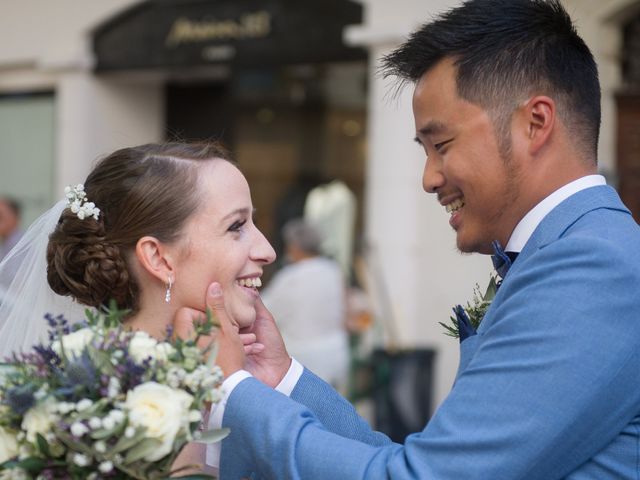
[
  {"x": 102, "y": 360},
  {"x": 125, "y": 443},
  {"x": 144, "y": 448},
  {"x": 102, "y": 433},
  {"x": 212, "y": 436}
]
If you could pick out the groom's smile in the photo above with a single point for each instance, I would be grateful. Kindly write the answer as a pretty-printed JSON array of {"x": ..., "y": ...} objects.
[{"x": 475, "y": 183}]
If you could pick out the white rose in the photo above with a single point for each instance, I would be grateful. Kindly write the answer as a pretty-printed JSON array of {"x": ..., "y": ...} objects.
[
  {"x": 74, "y": 342},
  {"x": 8, "y": 445},
  {"x": 39, "y": 419},
  {"x": 163, "y": 350},
  {"x": 143, "y": 346},
  {"x": 162, "y": 411}
]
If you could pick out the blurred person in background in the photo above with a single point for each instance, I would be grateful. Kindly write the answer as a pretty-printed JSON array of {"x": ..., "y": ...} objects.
[
  {"x": 307, "y": 297},
  {"x": 10, "y": 231}
]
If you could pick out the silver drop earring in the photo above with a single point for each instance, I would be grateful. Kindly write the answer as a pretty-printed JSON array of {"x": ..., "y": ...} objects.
[{"x": 167, "y": 295}]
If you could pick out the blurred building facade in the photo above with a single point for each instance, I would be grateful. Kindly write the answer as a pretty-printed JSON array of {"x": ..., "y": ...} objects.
[{"x": 292, "y": 88}]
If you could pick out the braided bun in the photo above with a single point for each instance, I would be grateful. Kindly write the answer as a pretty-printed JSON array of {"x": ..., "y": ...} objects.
[{"x": 83, "y": 264}]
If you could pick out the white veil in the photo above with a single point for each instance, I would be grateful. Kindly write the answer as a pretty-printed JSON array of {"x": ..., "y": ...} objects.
[{"x": 25, "y": 296}]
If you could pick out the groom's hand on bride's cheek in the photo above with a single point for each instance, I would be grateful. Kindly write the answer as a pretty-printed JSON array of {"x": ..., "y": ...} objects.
[
  {"x": 230, "y": 345},
  {"x": 183, "y": 328},
  {"x": 269, "y": 360}
]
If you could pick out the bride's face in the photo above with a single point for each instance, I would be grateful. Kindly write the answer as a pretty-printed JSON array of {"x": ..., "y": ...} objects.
[{"x": 220, "y": 243}]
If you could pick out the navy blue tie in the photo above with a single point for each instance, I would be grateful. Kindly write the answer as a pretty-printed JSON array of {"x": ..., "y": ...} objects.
[{"x": 502, "y": 260}]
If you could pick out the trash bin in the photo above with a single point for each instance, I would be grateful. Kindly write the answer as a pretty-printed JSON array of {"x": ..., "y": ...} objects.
[{"x": 402, "y": 391}]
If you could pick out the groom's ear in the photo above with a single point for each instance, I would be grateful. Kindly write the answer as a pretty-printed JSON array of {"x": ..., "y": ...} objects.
[
  {"x": 156, "y": 258},
  {"x": 539, "y": 115}
]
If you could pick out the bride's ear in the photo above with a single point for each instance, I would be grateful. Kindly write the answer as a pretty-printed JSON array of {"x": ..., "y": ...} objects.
[{"x": 156, "y": 258}]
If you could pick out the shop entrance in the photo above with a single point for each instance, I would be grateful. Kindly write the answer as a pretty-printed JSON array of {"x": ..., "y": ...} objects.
[
  {"x": 628, "y": 106},
  {"x": 629, "y": 151}
]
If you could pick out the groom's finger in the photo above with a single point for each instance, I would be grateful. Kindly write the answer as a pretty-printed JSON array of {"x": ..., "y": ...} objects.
[
  {"x": 231, "y": 355},
  {"x": 248, "y": 338},
  {"x": 261, "y": 310},
  {"x": 215, "y": 302}
]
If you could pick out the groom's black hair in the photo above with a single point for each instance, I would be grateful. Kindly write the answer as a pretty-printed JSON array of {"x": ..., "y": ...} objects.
[{"x": 505, "y": 52}]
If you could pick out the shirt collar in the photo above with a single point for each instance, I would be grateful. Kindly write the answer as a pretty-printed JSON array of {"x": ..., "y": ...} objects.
[{"x": 531, "y": 220}]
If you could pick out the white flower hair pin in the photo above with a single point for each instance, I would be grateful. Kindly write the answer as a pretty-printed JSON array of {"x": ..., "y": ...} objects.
[{"x": 77, "y": 202}]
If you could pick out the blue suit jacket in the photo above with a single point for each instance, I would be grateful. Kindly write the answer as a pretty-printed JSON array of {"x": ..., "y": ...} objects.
[{"x": 549, "y": 388}]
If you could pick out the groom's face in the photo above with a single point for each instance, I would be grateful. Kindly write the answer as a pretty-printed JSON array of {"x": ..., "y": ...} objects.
[
  {"x": 473, "y": 181},
  {"x": 221, "y": 244}
]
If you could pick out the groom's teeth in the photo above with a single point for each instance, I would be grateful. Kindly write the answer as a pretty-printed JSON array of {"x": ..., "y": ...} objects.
[{"x": 455, "y": 205}]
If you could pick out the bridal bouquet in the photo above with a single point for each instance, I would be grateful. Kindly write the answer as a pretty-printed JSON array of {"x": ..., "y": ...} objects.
[{"x": 102, "y": 402}]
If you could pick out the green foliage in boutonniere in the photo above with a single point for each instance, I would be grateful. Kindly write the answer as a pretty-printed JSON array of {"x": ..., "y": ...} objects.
[{"x": 475, "y": 309}]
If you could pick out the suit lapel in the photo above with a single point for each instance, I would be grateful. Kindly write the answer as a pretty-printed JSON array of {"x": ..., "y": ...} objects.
[
  {"x": 553, "y": 226},
  {"x": 570, "y": 211}
]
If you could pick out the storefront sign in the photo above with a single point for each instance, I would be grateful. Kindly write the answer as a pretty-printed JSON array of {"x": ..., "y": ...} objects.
[
  {"x": 251, "y": 25},
  {"x": 183, "y": 33}
]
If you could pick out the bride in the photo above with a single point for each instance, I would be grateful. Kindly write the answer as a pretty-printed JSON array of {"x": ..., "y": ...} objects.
[{"x": 152, "y": 227}]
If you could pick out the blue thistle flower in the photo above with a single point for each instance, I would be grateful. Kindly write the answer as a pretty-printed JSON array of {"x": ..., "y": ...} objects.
[
  {"x": 81, "y": 371},
  {"x": 21, "y": 398}
]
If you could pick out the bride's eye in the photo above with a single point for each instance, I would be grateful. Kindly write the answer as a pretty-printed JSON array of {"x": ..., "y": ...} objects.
[{"x": 237, "y": 226}]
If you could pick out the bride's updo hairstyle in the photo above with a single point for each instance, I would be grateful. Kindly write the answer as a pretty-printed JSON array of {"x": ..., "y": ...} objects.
[{"x": 146, "y": 190}]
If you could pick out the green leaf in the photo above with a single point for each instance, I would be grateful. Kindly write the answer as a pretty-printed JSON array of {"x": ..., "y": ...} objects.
[
  {"x": 141, "y": 450},
  {"x": 30, "y": 464},
  {"x": 43, "y": 445},
  {"x": 102, "y": 361},
  {"x": 125, "y": 443},
  {"x": 212, "y": 436},
  {"x": 102, "y": 433},
  {"x": 492, "y": 289}
]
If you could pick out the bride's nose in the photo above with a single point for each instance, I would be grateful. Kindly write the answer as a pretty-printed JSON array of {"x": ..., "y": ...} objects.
[{"x": 261, "y": 250}]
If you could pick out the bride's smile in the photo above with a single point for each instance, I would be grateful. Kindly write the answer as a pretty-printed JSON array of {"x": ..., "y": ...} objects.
[{"x": 221, "y": 243}]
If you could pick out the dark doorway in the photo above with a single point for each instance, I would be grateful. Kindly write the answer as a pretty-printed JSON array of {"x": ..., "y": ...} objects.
[
  {"x": 628, "y": 106},
  {"x": 628, "y": 146}
]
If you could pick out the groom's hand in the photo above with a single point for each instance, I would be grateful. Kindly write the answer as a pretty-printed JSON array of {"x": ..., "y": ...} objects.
[
  {"x": 231, "y": 357},
  {"x": 183, "y": 328},
  {"x": 269, "y": 361}
]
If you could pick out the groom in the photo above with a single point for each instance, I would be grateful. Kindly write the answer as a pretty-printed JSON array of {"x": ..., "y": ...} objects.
[{"x": 507, "y": 110}]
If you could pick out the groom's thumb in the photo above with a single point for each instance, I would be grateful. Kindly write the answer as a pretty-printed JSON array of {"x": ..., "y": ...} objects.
[{"x": 215, "y": 301}]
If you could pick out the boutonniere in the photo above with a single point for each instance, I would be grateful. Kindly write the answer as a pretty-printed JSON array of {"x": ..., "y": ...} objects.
[{"x": 471, "y": 315}]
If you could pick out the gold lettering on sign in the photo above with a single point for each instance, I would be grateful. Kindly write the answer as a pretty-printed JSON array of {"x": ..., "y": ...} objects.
[{"x": 250, "y": 25}]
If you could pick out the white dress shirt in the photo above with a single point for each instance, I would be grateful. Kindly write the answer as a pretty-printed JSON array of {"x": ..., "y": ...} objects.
[
  {"x": 521, "y": 234},
  {"x": 531, "y": 220}
]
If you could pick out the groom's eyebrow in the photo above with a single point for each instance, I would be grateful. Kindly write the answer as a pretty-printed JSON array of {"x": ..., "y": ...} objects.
[{"x": 432, "y": 127}]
